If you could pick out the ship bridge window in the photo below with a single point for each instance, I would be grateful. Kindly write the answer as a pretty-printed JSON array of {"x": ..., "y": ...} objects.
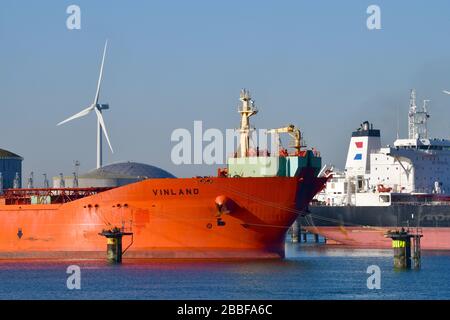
[
  {"x": 384, "y": 198},
  {"x": 360, "y": 184}
]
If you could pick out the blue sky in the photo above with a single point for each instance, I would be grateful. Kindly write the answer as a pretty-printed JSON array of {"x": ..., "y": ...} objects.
[{"x": 311, "y": 63}]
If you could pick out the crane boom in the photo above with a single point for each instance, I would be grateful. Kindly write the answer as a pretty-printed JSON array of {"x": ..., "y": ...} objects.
[{"x": 294, "y": 132}]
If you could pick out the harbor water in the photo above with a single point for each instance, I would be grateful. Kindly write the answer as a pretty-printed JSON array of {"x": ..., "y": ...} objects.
[{"x": 310, "y": 271}]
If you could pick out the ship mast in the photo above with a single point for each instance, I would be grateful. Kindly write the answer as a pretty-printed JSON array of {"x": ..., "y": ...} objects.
[
  {"x": 411, "y": 115},
  {"x": 247, "y": 109},
  {"x": 417, "y": 118}
]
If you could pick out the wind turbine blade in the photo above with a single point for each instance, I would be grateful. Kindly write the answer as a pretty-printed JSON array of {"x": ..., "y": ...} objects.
[
  {"x": 99, "y": 83},
  {"x": 102, "y": 124},
  {"x": 78, "y": 115},
  {"x": 445, "y": 91}
]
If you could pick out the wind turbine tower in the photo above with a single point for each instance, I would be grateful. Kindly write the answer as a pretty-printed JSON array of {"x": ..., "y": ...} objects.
[{"x": 97, "y": 107}]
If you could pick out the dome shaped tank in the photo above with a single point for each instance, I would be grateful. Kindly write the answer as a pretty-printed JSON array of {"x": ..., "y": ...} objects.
[{"x": 115, "y": 175}]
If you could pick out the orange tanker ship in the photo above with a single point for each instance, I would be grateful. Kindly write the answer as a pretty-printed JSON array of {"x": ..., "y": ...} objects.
[{"x": 241, "y": 213}]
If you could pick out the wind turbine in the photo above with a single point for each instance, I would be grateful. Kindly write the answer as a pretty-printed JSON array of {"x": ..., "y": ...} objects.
[{"x": 95, "y": 106}]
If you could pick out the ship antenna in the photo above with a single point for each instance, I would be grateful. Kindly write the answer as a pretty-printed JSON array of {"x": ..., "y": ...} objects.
[
  {"x": 417, "y": 119},
  {"x": 398, "y": 122},
  {"x": 412, "y": 115},
  {"x": 446, "y": 92},
  {"x": 426, "y": 116},
  {"x": 425, "y": 105}
]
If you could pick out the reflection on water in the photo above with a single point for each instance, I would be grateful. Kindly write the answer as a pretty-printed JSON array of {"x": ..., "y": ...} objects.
[
  {"x": 310, "y": 271},
  {"x": 295, "y": 250}
]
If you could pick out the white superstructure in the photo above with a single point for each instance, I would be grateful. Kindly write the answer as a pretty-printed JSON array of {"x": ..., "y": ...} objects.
[{"x": 373, "y": 174}]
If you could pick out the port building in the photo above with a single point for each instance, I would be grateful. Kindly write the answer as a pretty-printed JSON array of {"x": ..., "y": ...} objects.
[{"x": 10, "y": 170}]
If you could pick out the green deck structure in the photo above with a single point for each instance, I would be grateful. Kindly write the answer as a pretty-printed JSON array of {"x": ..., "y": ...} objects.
[{"x": 289, "y": 166}]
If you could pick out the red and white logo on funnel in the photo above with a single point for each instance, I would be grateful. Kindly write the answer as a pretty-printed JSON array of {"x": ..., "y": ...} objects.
[{"x": 359, "y": 145}]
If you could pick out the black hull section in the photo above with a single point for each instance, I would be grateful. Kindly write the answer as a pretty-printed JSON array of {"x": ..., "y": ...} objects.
[{"x": 405, "y": 215}]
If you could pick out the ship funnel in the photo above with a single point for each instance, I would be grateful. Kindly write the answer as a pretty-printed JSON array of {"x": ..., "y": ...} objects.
[
  {"x": 365, "y": 125},
  {"x": 363, "y": 141}
]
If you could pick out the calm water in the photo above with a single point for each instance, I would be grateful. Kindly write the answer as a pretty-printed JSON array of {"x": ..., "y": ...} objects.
[{"x": 309, "y": 272}]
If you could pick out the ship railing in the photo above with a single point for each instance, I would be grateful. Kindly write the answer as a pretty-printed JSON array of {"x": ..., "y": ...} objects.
[
  {"x": 403, "y": 203},
  {"x": 418, "y": 203},
  {"x": 414, "y": 231},
  {"x": 50, "y": 195},
  {"x": 251, "y": 109},
  {"x": 252, "y": 152}
]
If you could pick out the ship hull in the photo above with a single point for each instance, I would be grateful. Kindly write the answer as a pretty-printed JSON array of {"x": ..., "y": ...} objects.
[
  {"x": 365, "y": 227},
  {"x": 169, "y": 219}
]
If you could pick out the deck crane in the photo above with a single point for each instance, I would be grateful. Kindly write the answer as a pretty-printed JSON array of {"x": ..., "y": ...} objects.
[{"x": 294, "y": 132}]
